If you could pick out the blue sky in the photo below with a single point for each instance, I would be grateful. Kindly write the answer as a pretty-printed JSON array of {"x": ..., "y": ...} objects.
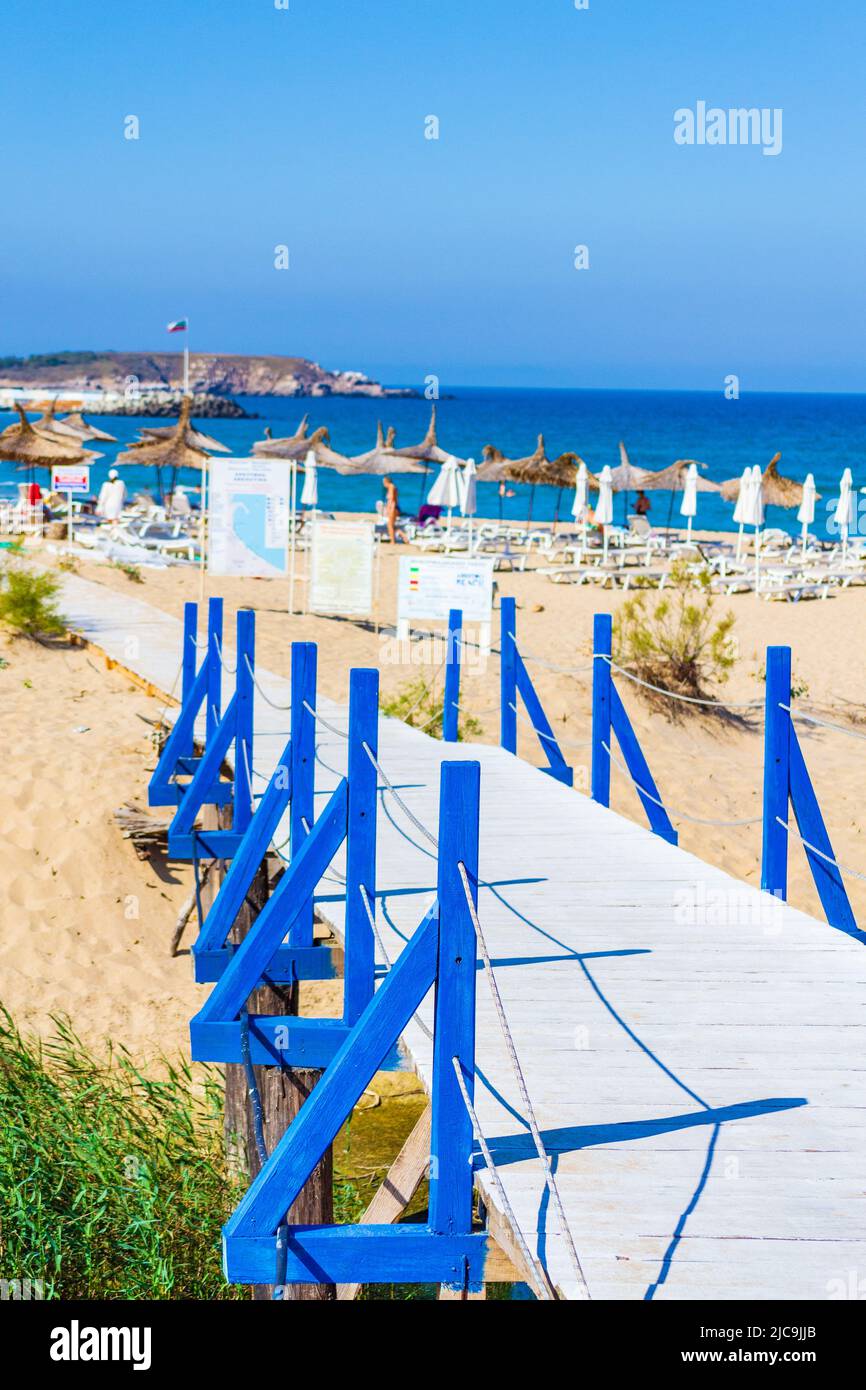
[{"x": 305, "y": 127}]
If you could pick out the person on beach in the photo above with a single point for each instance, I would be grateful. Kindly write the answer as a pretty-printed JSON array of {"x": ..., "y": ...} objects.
[
  {"x": 642, "y": 504},
  {"x": 112, "y": 497},
  {"x": 392, "y": 510}
]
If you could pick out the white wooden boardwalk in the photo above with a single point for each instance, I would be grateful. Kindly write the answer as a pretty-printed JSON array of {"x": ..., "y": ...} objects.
[{"x": 695, "y": 1050}]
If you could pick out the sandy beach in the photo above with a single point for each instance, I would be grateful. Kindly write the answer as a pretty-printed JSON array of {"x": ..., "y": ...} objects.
[{"x": 88, "y": 925}]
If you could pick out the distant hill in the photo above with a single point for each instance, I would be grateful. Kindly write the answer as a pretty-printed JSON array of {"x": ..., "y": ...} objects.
[{"x": 220, "y": 374}]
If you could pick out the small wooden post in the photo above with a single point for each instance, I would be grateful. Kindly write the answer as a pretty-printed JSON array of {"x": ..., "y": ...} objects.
[
  {"x": 303, "y": 731},
  {"x": 244, "y": 691},
  {"x": 777, "y": 771},
  {"x": 214, "y": 697},
  {"x": 361, "y": 842},
  {"x": 602, "y": 644},
  {"x": 450, "y": 711},
  {"x": 454, "y": 1030},
  {"x": 508, "y": 675}
]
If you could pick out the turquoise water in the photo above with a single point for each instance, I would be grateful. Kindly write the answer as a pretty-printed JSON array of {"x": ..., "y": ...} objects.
[{"x": 818, "y": 433}]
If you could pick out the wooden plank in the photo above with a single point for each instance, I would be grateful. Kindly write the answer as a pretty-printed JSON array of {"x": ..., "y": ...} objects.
[{"x": 401, "y": 1182}]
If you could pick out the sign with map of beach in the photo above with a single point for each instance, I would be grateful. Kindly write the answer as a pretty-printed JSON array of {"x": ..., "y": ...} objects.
[{"x": 248, "y": 516}]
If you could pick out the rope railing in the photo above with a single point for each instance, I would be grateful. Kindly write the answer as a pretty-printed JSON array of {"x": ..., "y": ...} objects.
[
  {"x": 225, "y": 665},
  {"x": 267, "y": 699},
  {"x": 674, "y": 695},
  {"x": 550, "y": 1180},
  {"x": 813, "y": 849},
  {"x": 542, "y": 1286},
  {"x": 822, "y": 723},
  {"x": 371, "y": 917},
  {"x": 669, "y": 810},
  {"x": 320, "y": 718},
  {"x": 419, "y": 825},
  {"x": 549, "y": 738}
]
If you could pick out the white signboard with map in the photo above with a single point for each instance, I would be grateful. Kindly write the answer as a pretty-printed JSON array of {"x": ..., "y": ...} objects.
[
  {"x": 341, "y": 572},
  {"x": 248, "y": 517},
  {"x": 429, "y": 587}
]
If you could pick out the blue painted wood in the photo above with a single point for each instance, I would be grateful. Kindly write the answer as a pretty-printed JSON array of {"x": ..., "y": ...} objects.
[
  {"x": 454, "y": 1031},
  {"x": 638, "y": 766},
  {"x": 176, "y": 758},
  {"x": 188, "y": 666},
  {"x": 450, "y": 712},
  {"x": 810, "y": 823},
  {"x": 602, "y": 642},
  {"x": 206, "y": 773},
  {"x": 253, "y": 848},
  {"x": 290, "y": 963},
  {"x": 778, "y": 732},
  {"x": 245, "y": 644},
  {"x": 405, "y": 1253},
  {"x": 213, "y": 705},
  {"x": 274, "y": 1040},
  {"x": 361, "y": 842},
  {"x": 303, "y": 730},
  {"x": 253, "y": 956},
  {"x": 508, "y": 674},
  {"x": 557, "y": 767},
  {"x": 206, "y": 844},
  {"x": 281, "y": 1178}
]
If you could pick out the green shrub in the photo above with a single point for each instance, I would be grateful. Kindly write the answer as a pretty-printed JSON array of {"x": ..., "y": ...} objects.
[
  {"x": 28, "y": 603},
  {"x": 674, "y": 640}
]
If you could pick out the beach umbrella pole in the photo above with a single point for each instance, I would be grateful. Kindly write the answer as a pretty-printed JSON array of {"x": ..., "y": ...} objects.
[{"x": 293, "y": 475}]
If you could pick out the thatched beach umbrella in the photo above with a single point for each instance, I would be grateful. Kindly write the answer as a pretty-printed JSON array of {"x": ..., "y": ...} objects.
[
  {"x": 384, "y": 458},
  {"x": 83, "y": 428},
  {"x": 73, "y": 427},
  {"x": 174, "y": 451},
  {"x": 536, "y": 468},
  {"x": 775, "y": 490},
  {"x": 197, "y": 438},
  {"x": 428, "y": 451},
  {"x": 675, "y": 478},
  {"x": 293, "y": 446},
  {"x": 29, "y": 448},
  {"x": 626, "y": 478}
]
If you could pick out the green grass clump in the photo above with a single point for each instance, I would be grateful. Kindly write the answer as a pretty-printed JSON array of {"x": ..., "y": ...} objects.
[
  {"x": 112, "y": 1183},
  {"x": 28, "y": 603},
  {"x": 419, "y": 706}
]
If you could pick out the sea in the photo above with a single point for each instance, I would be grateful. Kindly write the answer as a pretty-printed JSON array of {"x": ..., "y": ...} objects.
[{"x": 822, "y": 434}]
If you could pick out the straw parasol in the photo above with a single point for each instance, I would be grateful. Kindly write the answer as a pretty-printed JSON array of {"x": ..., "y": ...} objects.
[
  {"x": 626, "y": 478},
  {"x": 29, "y": 448},
  {"x": 536, "y": 468},
  {"x": 73, "y": 427},
  {"x": 293, "y": 446},
  {"x": 428, "y": 451},
  {"x": 675, "y": 477},
  {"x": 776, "y": 490},
  {"x": 173, "y": 451},
  {"x": 83, "y": 428},
  {"x": 384, "y": 458},
  {"x": 197, "y": 438}
]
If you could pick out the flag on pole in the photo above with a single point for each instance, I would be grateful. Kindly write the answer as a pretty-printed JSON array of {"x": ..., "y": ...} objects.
[{"x": 178, "y": 326}]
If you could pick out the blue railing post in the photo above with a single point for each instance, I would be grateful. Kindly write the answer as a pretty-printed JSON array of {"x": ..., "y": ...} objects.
[
  {"x": 361, "y": 843},
  {"x": 450, "y": 1203},
  {"x": 602, "y": 645},
  {"x": 189, "y": 662},
  {"x": 214, "y": 696},
  {"x": 452, "y": 676},
  {"x": 245, "y": 656},
  {"x": 777, "y": 771},
  {"x": 508, "y": 674},
  {"x": 303, "y": 732}
]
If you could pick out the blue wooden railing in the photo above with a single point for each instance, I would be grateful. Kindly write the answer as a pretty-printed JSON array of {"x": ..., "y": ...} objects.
[
  {"x": 787, "y": 785},
  {"x": 198, "y": 687},
  {"x": 257, "y": 1246},
  {"x": 515, "y": 681},
  {"x": 279, "y": 944},
  {"x": 609, "y": 721},
  {"x": 234, "y": 728}
]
